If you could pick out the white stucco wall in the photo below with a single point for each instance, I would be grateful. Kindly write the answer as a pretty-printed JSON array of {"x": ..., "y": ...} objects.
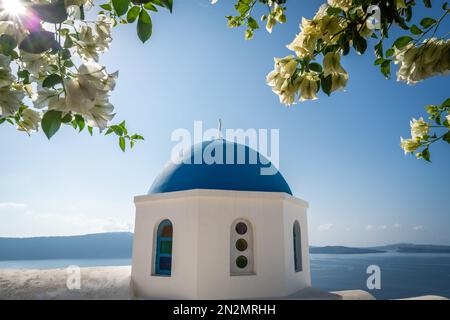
[{"x": 201, "y": 244}]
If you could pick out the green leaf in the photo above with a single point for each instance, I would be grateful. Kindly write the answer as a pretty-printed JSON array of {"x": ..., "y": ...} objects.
[
  {"x": 90, "y": 130},
  {"x": 359, "y": 43},
  {"x": 378, "y": 61},
  {"x": 131, "y": 144},
  {"x": 68, "y": 42},
  {"x": 446, "y": 103},
  {"x": 242, "y": 7},
  {"x": 386, "y": 68},
  {"x": 137, "y": 137},
  {"x": 65, "y": 54},
  {"x": 427, "y": 3},
  {"x": 38, "y": 42},
  {"x": 326, "y": 83},
  {"x": 431, "y": 109},
  {"x": 426, "y": 154},
  {"x": 252, "y": 23},
  {"x": 427, "y": 22},
  {"x": 389, "y": 52},
  {"x": 25, "y": 75},
  {"x": 144, "y": 26},
  {"x": 446, "y": 137},
  {"x": 51, "y": 122},
  {"x": 168, "y": 4},
  {"x": 164, "y": 3},
  {"x": 80, "y": 122},
  {"x": 52, "y": 80},
  {"x": 402, "y": 41},
  {"x": 122, "y": 143},
  {"x": 331, "y": 11},
  {"x": 379, "y": 49},
  {"x": 150, "y": 6},
  {"x": 314, "y": 66},
  {"x": 121, "y": 6},
  {"x": 67, "y": 118},
  {"x": 116, "y": 129},
  {"x": 106, "y": 6},
  {"x": 415, "y": 30},
  {"x": 132, "y": 14}
]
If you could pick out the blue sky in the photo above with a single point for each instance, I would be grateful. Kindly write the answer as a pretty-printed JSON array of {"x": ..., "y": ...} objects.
[{"x": 340, "y": 153}]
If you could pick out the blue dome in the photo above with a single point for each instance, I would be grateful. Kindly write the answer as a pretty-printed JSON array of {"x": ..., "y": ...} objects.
[{"x": 238, "y": 176}]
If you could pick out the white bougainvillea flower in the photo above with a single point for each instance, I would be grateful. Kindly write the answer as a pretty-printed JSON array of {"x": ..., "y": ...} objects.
[
  {"x": 281, "y": 79},
  {"x": 409, "y": 145},
  {"x": 77, "y": 99},
  {"x": 305, "y": 42},
  {"x": 91, "y": 84},
  {"x": 38, "y": 64},
  {"x": 419, "y": 63},
  {"x": 10, "y": 100},
  {"x": 100, "y": 114},
  {"x": 86, "y": 3},
  {"x": 309, "y": 86},
  {"x": 94, "y": 76},
  {"x": 343, "y": 4},
  {"x": 89, "y": 46},
  {"x": 332, "y": 66},
  {"x": 73, "y": 13},
  {"x": 30, "y": 121},
  {"x": 103, "y": 27},
  {"x": 13, "y": 29},
  {"x": 328, "y": 26},
  {"x": 6, "y": 78},
  {"x": 419, "y": 128},
  {"x": 332, "y": 63},
  {"x": 43, "y": 97},
  {"x": 271, "y": 22}
]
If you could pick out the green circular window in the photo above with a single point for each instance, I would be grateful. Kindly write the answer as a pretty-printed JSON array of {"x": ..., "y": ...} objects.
[
  {"x": 241, "y": 262},
  {"x": 241, "y": 228},
  {"x": 241, "y": 244}
]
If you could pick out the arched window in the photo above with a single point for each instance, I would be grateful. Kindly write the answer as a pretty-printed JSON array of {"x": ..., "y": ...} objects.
[
  {"x": 297, "y": 236},
  {"x": 241, "y": 248},
  {"x": 163, "y": 256}
]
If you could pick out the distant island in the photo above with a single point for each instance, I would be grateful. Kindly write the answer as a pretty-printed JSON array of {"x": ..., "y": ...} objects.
[
  {"x": 415, "y": 248},
  {"x": 342, "y": 250},
  {"x": 90, "y": 246},
  {"x": 116, "y": 245}
]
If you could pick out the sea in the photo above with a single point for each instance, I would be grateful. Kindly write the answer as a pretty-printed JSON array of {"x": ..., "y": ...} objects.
[{"x": 401, "y": 275}]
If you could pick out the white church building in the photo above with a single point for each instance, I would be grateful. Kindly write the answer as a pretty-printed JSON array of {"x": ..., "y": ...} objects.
[{"x": 220, "y": 230}]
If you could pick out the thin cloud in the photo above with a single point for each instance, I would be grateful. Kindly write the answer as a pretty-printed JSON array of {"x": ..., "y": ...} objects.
[
  {"x": 418, "y": 228},
  {"x": 325, "y": 227},
  {"x": 12, "y": 205},
  {"x": 370, "y": 227}
]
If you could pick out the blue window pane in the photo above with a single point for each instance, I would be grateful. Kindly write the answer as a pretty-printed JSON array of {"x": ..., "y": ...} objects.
[{"x": 165, "y": 263}]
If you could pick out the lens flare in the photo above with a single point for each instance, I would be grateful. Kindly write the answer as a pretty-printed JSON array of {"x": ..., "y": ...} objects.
[{"x": 12, "y": 7}]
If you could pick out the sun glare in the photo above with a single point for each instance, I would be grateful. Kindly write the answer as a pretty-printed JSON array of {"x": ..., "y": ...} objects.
[{"x": 12, "y": 7}]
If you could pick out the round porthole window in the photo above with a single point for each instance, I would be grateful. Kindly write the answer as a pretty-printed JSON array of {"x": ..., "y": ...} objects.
[
  {"x": 241, "y": 245},
  {"x": 241, "y": 262},
  {"x": 241, "y": 228}
]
